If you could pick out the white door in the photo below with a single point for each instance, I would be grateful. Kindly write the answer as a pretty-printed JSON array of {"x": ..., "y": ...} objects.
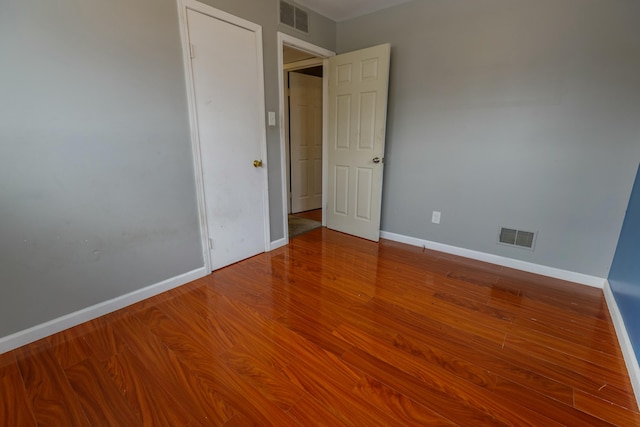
[
  {"x": 229, "y": 97},
  {"x": 358, "y": 87},
  {"x": 305, "y": 110}
]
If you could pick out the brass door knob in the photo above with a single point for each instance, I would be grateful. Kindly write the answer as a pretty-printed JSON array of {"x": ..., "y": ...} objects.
[{"x": 257, "y": 163}]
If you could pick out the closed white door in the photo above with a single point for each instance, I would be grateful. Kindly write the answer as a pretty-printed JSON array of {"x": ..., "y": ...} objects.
[
  {"x": 229, "y": 97},
  {"x": 358, "y": 88},
  {"x": 305, "y": 110}
]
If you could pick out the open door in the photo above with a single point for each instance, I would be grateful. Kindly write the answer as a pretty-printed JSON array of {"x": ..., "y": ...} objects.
[{"x": 358, "y": 91}]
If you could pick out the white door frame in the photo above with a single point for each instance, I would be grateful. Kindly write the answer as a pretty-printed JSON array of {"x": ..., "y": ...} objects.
[
  {"x": 285, "y": 39},
  {"x": 183, "y": 5}
]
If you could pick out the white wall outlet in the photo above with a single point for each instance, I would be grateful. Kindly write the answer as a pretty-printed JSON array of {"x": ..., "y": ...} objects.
[
  {"x": 272, "y": 118},
  {"x": 435, "y": 217}
]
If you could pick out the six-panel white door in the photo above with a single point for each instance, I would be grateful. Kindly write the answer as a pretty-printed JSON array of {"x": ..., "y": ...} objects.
[
  {"x": 305, "y": 110},
  {"x": 229, "y": 96},
  {"x": 358, "y": 90}
]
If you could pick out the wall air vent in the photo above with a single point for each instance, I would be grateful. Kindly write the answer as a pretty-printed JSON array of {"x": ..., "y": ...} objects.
[
  {"x": 523, "y": 239},
  {"x": 293, "y": 16}
]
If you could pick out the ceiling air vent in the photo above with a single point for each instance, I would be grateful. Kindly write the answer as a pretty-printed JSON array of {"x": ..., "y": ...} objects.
[
  {"x": 523, "y": 239},
  {"x": 294, "y": 17}
]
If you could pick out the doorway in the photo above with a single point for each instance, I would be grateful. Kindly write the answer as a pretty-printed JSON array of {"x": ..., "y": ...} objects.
[
  {"x": 355, "y": 92},
  {"x": 302, "y": 112},
  {"x": 303, "y": 116}
]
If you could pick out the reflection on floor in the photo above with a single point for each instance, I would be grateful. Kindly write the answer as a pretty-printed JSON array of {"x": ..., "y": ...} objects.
[
  {"x": 303, "y": 222},
  {"x": 338, "y": 331}
]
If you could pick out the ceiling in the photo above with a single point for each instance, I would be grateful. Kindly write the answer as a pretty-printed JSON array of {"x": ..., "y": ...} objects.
[{"x": 341, "y": 10}]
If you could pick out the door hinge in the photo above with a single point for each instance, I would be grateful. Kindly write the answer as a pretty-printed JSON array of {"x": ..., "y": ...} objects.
[
  {"x": 210, "y": 243},
  {"x": 192, "y": 50}
]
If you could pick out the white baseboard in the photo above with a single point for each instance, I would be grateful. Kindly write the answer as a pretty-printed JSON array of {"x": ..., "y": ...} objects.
[
  {"x": 278, "y": 244},
  {"x": 629, "y": 354},
  {"x": 596, "y": 282},
  {"x": 67, "y": 321}
]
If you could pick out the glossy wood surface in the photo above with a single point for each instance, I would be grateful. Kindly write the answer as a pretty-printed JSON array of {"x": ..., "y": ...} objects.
[
  {"x": 336, "y": 331},
  {"x": 315, "y": 215}
]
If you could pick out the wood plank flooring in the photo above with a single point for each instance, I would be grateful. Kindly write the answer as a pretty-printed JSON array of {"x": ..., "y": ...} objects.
[
  {"x": 337, "y": 331},
  {"x": 315, "y": 215}
]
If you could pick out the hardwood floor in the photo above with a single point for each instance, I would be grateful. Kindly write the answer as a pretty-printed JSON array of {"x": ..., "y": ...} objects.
[
  {"x": 315, "y": 215},
  {"x": 337, "y": 331}
]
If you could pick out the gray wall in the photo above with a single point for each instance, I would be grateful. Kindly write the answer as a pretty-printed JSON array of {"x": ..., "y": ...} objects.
[
  {"x": 502, "y": 112},
  {"x": 97, "y": 193},
  {"x": 511, "y": 113}
]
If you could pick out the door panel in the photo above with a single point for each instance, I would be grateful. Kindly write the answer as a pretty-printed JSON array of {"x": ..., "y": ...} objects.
[
  {"x": 229, "y": 104},
  {"x": 343, "y": 123},
  {"x": 364, "y": 189},
  {"x": 341, "y": 190},
  {"x": 367, "y": 121},
  {"x": 358, "y": 87},
  {"x": 305, "y": 98}
]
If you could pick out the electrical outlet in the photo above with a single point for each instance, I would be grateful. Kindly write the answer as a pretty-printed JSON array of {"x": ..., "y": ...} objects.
[{"x": 435, "y": 217}]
